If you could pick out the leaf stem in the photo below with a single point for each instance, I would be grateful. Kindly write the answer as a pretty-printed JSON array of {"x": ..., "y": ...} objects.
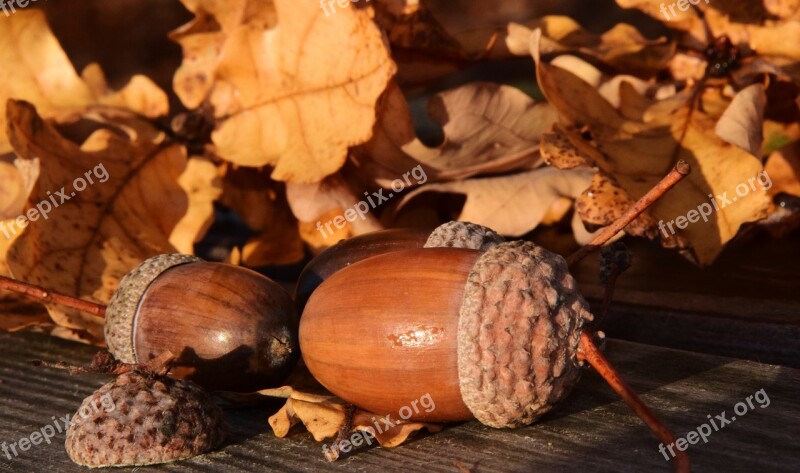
[
  {"x": 590, "y": 352},
  {"x": 43, "y": 295},
  {"x": 681, "y": 170}
]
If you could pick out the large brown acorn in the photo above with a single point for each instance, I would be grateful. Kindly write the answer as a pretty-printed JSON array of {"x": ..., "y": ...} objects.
[
  {"x": 229, "y": 327},
  {"x": 488, "y": 335}
]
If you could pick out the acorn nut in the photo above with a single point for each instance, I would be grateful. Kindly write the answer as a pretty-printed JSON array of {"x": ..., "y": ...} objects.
[
  {"x": 230, "y": 328},
  {"x": 492, "y": 336}
]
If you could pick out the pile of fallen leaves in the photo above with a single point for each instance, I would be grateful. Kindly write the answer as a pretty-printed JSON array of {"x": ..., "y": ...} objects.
[{"x": 297, "y": 117}]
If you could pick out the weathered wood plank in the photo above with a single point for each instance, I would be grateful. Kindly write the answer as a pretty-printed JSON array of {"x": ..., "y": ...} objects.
[
  {"x": 590, "y": 432},
  {"x": 747, "y": 305}
]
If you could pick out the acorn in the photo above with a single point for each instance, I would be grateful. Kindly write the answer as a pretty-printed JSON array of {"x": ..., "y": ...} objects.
[
  {"x": 489, "y": 335},
  {"x": 139, "y": 420},
  {"x": 231, "y": 328},
  {"x": 347, "y": 252}
]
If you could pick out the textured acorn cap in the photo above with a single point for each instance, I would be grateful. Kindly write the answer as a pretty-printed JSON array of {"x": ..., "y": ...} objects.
[
  {"x": 121, "y": 310},
  {"x": 137, "y": 420},
  {"x": 518, "y": 333},
  {"x": 463, "y": 235}
]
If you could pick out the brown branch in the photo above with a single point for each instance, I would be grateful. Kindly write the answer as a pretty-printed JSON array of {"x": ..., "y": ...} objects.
[
  {"x": 43, "y": 295},
  {"x": 681, "y": 170},
  {"x": 591, "y": 353}
]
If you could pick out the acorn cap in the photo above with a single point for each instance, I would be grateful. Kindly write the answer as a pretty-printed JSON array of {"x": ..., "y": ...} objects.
[
  {"x": 518, "y": 332},
  {"x": 463, "y": 235},
  {"x": 121, "y": 310},
  {"x": 143, "y": 420}
]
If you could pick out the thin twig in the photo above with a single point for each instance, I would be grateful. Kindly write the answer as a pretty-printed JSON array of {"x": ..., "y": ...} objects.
[
  {"x": 591, "y": 353},
  {"x": 614, "y": 260},
  {"x": 43, "y": 295},
  {"x": 681, "y": 170}
]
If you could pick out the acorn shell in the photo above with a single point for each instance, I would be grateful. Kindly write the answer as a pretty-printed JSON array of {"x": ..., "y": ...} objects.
[
  {"x": 121, "y": 310},
  {"x": 230, "y": 328},
  {"x": 491, "y": 335}
]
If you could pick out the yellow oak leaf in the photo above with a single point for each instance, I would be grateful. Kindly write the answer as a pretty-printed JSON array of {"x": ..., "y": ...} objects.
[
  {"x": 100, "y": 208},
  {"x": 37, "y": 70},
  {"x": 290, "y": 87},
  {"x": 727, "y": 185}
]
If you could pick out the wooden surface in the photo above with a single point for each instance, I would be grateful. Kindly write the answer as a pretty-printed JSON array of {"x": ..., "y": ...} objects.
[
  {"x": 590, "y": 432},
  {"x": 747, "y": 305}
]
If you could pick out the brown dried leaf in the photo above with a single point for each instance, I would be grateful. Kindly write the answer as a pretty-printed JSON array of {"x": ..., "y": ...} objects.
[
  {"x": 17, "y": 178},
  {"x": 35, "y": 69},
  {"x": 281, "y": 97},
  {"x": 783, "y": 167},
  {"x": 750, "y": 24},
  {"x": 622, "y": 46},
  {"x": 638, "y": 153},
  {"x": 92, "y": 239},
  {"x": 516, "y": 204},
  {"x": 488, "y": 128},
  {"x": 261, "y": 203},
  {"x": 321, "y": 208},
  {"x": 21, "y": 315},
  {"x": 742, "y": 122},
  {"x": 325, "y": 415}
]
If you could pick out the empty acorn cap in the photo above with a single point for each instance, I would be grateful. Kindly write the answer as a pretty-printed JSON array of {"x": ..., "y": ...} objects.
[
  {"x": 140, "y": 420},
  {"x": 121, "y": 310},
  {"x": 519, "y": 328},
  {"x": 463, "y": 235}
]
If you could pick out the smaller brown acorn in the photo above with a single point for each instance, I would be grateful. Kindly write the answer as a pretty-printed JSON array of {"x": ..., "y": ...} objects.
[
  {"x": 449, "y": 235},
  {"x": 139, "y": 419},
  {"x": 230, "y": 328}
]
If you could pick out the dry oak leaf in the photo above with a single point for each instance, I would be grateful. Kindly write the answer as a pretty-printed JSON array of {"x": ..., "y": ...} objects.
[
  {"x": 261, "y": 203},
  {"x": 324, "y": 415},
  {"x": 783, "y": 167},
  {"x": 95, "y": 233},
  {"x": 770, "y": 28},
  {"x": 639, "y": 152},
  {"x": 37, "y": 70},
  {"x": 488, "y": 129},
  {"x": 17, "y": 179},
  {"x": 515, "y": 204},
  {"x": 22, "y": 315},
  {"x": 622, "y": 47},
  {"x": 290, "y": 87},
  {"x": 321, "y": 209}
]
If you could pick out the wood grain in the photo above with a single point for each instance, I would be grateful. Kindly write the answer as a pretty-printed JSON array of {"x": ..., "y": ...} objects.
[{"x": 591, "y": 431}]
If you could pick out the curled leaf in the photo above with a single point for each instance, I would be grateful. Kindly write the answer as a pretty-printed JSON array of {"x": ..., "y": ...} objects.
[{"x": 325, "y": 416}]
